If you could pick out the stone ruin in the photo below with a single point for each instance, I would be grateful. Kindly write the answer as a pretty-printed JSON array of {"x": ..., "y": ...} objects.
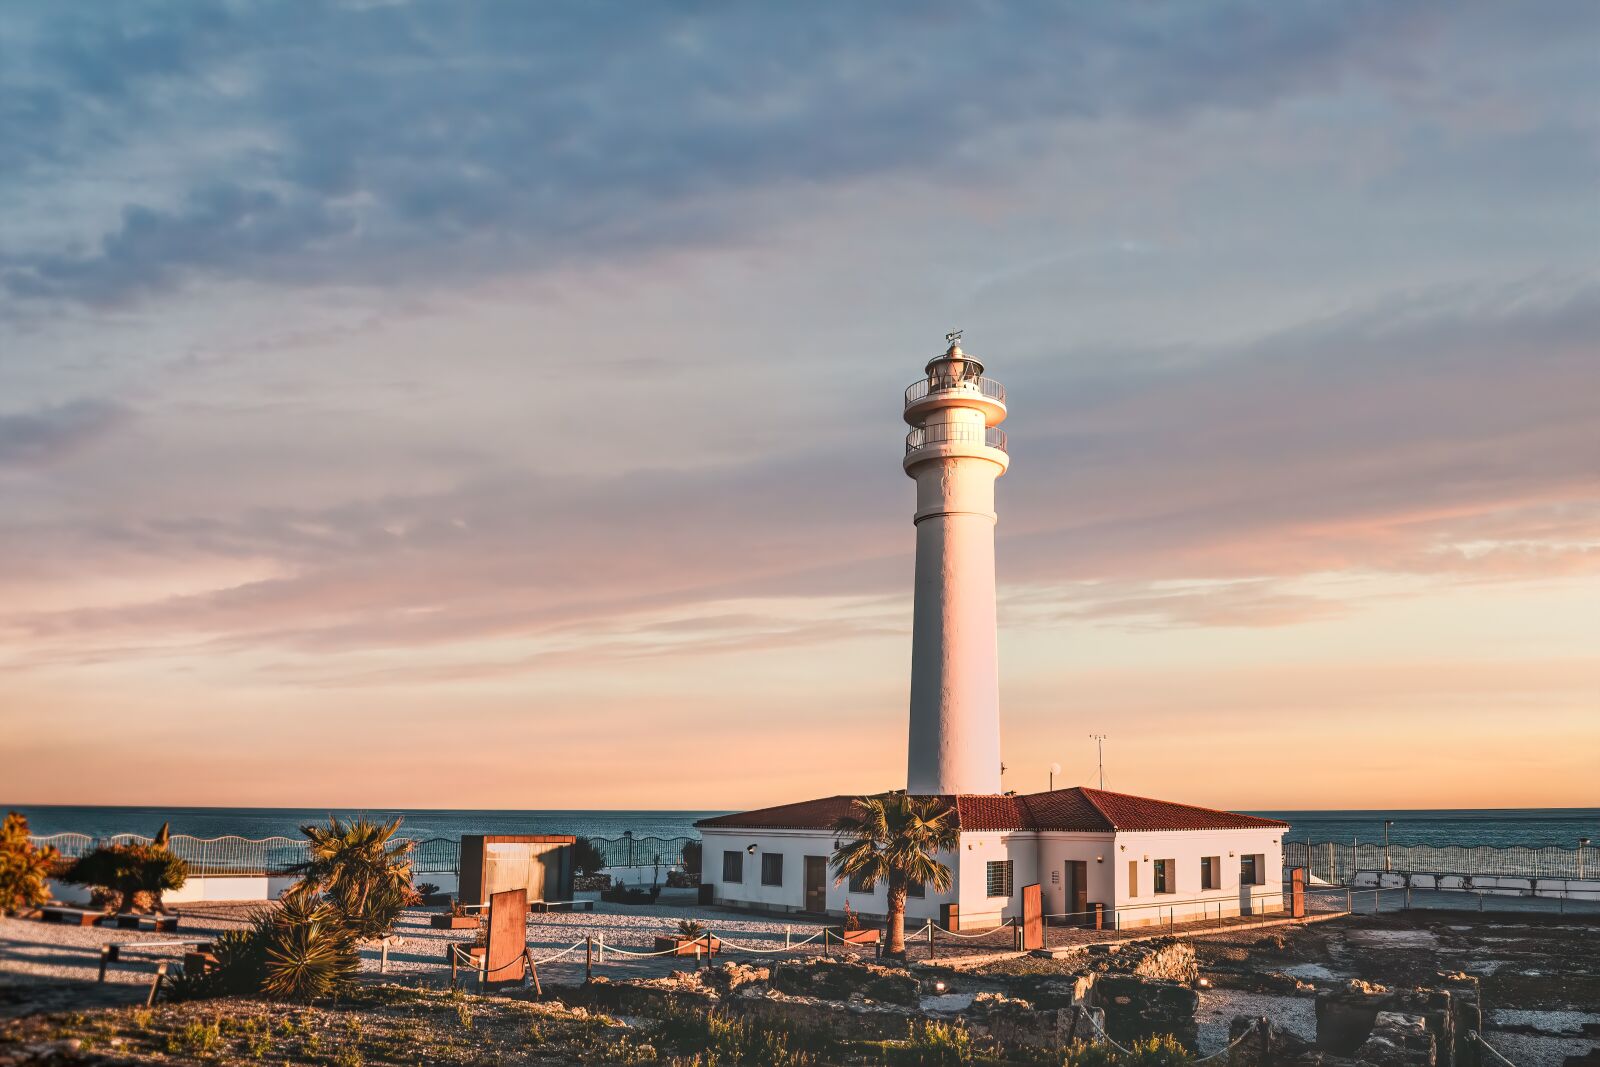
[{"x": 1132, "y": 991}]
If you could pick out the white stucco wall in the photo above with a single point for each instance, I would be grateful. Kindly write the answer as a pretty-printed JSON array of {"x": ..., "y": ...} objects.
[
  {"x": 1035, "y": 857},
  {"x": 1099, "y": 857},
  {"x": 795, "y": 845},
  {"x": 1187, "y": 901}
]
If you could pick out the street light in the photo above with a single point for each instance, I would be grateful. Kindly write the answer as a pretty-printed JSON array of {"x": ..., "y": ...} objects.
[
  {"x": 1583, "y": 843},
  {"x": 1386, "y": 824},
  {"x": 1055, "y": 769}
]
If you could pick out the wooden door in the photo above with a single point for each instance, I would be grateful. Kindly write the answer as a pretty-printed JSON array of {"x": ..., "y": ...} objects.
[
  {"x": 1077, "y": 886},
  {"x": 816, "y": 884}
]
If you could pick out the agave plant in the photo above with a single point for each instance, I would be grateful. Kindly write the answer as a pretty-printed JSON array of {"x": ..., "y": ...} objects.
[
  {"x": 895, "y": 839},
  {"x": 361, "y": 871},
  {"x": 308, "y": 950}
]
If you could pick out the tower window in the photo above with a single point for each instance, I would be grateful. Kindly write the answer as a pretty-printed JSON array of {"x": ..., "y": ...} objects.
[{"x": 999, "y": 878}]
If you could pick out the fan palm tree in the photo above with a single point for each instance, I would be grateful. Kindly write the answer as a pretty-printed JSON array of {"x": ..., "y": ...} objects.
[
  {"x": 895, "y": 839},
  {"x": 361, "y": 870}
]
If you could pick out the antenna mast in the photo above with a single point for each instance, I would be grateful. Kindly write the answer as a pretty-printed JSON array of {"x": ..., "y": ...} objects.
[{"x": 1100, "y": 748}]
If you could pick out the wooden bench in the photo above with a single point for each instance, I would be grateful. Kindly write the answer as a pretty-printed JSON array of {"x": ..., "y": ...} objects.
[
  {"x": 560, "y": 905},
  {"x": 161, "y": 924},
  {"x": 62, "y": 913}
]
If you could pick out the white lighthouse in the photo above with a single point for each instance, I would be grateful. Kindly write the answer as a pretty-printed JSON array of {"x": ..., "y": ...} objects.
[
  {"x": 955, "y": 451},
  {"x": 1077, "y": 852}
]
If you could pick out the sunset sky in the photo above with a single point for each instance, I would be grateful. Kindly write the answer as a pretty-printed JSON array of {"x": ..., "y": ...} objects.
[{"x": 499, "y": 405}]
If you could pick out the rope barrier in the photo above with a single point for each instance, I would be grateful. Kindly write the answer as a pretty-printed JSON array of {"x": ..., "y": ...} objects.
[
  {"x": 626, "y": 952},
  {"x": 1254, "y": 1025},
  {"x": 1492, "y": 1050},
  {"x": 722, "y": 940},
  {"x": 564, "y": 952},
  {"x": 1232, "y": 1044},
  {"x": 970, "y": 937}
]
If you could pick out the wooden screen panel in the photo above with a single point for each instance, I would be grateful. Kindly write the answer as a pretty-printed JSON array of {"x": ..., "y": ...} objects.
[
  {"x": 1032, "y": 917},
  {"x": 506, "y": 956}
]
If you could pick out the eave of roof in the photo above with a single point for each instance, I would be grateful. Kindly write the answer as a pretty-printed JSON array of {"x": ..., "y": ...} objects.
[{"x": 1077, "y": 809}]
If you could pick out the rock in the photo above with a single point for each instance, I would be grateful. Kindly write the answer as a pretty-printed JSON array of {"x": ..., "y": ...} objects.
[
  {"x": 1398, "y": 1040},
  {"x": 1138, "y": 1007},
  {"x": 831, "y": 979}
]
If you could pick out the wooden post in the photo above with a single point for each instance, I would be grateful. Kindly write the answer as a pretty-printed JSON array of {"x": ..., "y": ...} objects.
[
  {"x": 787, "y": 930},
  {"x": 533, "y": 970},
  {"x": 383, "y": 956},
  {"x": 105, "y": 958},
  {"x": 588, "y": 957},
  {"x": 601, "y": 957},
  {"x": 155, "y": 986},
  {"x": 455, "y": 961}
]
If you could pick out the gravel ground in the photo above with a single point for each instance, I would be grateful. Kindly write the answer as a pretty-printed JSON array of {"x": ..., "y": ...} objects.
[{"x": 1298, "y": 1015}]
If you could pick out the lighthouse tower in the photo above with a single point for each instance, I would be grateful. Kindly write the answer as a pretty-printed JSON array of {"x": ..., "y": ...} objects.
[{"x": 955, "y": 451}]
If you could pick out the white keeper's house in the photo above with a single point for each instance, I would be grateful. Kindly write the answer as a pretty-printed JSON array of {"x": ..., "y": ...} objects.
[{"x": 1130, "y": 860}]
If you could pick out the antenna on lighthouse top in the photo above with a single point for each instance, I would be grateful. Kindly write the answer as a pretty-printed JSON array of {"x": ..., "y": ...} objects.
[{"x": 953, "y": 338}]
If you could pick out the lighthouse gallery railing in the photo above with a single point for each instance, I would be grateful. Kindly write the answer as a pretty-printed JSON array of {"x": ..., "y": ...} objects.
[
  {"x": 945, "y": 433},
  {"x": 940, "y": 383}
]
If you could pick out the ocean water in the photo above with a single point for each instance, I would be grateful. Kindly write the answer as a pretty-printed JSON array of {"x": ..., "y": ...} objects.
[{"x": 1462, "y": 826}]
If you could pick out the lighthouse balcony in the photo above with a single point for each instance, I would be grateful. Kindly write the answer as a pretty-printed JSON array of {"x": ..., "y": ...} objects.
[
  {"x": 950, "y": 390},
  {"x": 926, "y": 437}
]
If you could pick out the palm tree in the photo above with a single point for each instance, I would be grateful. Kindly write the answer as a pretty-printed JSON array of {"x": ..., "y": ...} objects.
[
  {"x": 896, "y": 839},
  {"x": 361, "y": 871}
]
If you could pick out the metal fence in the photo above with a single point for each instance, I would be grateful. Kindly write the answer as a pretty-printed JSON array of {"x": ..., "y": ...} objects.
[
  {"x": 231, "y": 855},
  {"x": 630, "y": 851},
  {"x": 1337, "y": 862}
]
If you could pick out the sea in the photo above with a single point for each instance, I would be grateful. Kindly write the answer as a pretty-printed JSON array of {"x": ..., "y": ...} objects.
[{"x": 1452, "y": 826}]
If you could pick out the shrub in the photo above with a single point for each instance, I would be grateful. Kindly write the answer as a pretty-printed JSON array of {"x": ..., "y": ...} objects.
[
  {"x": 719, "y": 1038},
  {"x": 586, "y": 856},
  {"x": 23, "y": 866},
  {"x": 692, "y": 853},
  {"x": 196, "y": 1038},
  {"x": 427, "y": 889},
  {"x": 933, "y": 1044},
  {"x": 690, "y": 929},
  {"x": 362, "y": 871},
  {"x": 1149, "y": 1052},
  {"x": 136, "y": 873}
]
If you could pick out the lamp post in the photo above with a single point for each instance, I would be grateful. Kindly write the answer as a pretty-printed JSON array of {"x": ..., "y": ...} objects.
[
  {"x": 1583, "y": 843},
  {"x": 1386, "y": 824},
  {"x": 1055, "y": 769}
]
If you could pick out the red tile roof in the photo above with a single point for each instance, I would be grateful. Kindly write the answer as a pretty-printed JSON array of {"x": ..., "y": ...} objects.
[{"x": 1076, "y": 809}]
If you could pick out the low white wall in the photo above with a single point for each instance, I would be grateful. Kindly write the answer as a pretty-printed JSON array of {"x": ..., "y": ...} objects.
[
  {"x": 1495, "y": 884},
  {"x": 241, "y": 887}
]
